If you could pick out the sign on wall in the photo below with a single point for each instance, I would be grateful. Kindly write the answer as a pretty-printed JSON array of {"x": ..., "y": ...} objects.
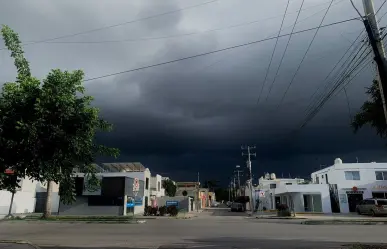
[
  {"x": 136, "y": 185},
  {"x": 172, "y": 203},
  {"x": 379, "y": 187}
]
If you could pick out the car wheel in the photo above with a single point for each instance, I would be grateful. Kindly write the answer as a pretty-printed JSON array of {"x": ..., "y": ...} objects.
[
  {"x": 358, "y": 211},
  {"x": 373, "y": 213}
]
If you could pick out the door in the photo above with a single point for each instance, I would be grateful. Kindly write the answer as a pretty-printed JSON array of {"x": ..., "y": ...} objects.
[
  {"x": 277, "y": 202},
  {"x": 353, "y": 201}
]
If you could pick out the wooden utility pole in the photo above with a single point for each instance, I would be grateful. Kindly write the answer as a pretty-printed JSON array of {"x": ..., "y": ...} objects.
[{"x": 372, "y": 29}]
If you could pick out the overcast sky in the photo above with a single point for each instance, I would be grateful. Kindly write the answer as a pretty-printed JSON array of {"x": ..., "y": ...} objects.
[{"x": 193, "y": 115}]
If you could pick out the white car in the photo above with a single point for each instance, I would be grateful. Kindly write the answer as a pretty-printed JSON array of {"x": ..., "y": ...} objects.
[{"x": 215, "y": 204}]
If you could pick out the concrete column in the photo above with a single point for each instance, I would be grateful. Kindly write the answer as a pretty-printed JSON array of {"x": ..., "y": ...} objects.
[{"x": 125, "y": 201}]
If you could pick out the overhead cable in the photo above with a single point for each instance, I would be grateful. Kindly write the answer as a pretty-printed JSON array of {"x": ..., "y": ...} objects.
[
  {"x": 216, "y": 51},
  {"x": 272, "y": 54},
  {"x": 303, "y": 58},
  {"x": 179, "y": 35},
  {"x": 119, "y": 24},
  {"x": 335, "y": 66}
]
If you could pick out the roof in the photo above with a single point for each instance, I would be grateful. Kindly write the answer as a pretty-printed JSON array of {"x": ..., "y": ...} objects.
[{"x": 124, "y": 167}]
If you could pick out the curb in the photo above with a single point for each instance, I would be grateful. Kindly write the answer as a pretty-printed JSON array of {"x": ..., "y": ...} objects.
[{"x": 19, "y": 242}]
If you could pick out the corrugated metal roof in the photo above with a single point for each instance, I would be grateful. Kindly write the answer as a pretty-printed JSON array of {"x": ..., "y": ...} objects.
[{"x": 125, "y": 166}]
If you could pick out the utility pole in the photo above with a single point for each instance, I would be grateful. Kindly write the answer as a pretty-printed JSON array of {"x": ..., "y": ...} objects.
[
  {"x": 248, "y": 162},
  {"x": 372, "y": 29}
]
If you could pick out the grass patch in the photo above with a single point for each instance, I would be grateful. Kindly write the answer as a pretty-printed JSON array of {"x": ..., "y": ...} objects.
[
  {"x": 345, "y": 222},
  {"x": 366, "y": 246}
]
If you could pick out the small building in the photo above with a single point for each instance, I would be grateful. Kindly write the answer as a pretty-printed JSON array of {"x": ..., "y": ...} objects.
[
  {"x": 115, "y": 194},
  {"x": 268, "y": 186},
  {"x": 350, "y": 183}
]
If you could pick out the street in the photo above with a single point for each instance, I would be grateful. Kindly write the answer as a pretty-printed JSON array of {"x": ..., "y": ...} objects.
[{"x": 209, "y": 230}]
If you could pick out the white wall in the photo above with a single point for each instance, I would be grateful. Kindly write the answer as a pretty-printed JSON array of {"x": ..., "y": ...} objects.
[
  {"x": 24, "y": 199},
  {"x": 297, "y": 192},
  {"x": 156, "y": 186},
  {"x": 367, "y": 182}
]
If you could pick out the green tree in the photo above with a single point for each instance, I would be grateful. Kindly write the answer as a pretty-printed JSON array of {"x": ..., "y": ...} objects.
[
  {"x": 371, "y": 112},
  {"x": 170, "y": 188},
  {"x": 48, "y": 128}
]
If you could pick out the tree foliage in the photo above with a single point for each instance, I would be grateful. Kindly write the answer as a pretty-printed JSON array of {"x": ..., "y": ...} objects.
[
  {"x": 371, "y": 112},
  {"x": 170, "y": 188},
  {"x": 47, "y": 128}
]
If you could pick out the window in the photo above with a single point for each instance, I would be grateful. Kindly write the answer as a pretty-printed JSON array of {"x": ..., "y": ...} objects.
[
  {"x": 369, "y": 202},
  {"x": 381, "y": 175},
  {"x": 147, "y": 183},
  {"x": 158, "y": 186},
  {"x": 273, "y": 185},
  {"x": 352, "y": 175},
  {"x": 326, "y": 179},
  {"x": 317, "y": 180},
  {"x": 382, "y": 202},
  {"x": 381, "y": 195},
  {"x": 288, "y": 183}
]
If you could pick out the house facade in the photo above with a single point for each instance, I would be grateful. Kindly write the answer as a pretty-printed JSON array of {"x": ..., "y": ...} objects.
[{"x": 350, "y": 183}]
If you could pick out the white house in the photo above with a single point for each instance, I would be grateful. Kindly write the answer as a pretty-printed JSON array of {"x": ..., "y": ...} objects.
[
  {"x": 24, "y": 199},
  {"x": 270, "y": 185},
  {"x": 156, "y": 187},
  {"x": 349, "y": 183}
]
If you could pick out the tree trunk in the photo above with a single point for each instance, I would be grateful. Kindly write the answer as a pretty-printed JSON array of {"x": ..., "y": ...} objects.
[
  {"x": 10, "y": 205},
  {"x": 47, "y": 209}
]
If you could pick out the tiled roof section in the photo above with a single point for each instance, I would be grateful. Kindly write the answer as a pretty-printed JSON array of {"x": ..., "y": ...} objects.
[{"x": 124, "y": 167}]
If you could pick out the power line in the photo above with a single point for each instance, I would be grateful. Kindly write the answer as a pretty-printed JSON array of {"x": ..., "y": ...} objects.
[
  {"x": 339, "y": 76},
  {"x": 303, "y": 58},
  {"x": 381, "y": 6},
  {"x": 288, "y": 42},
  {"x": 337, "y": 85},
  {"x": 358, "y": 12},
  {"x": 272, "y": 54},
  {"x": 179, "y": 35},
  {"x": 283, "y": 54},
  {"x": 334, "y": 67},
  {"x": 119, "y": 24},
  {"x": 348, "y": 104},
  {"x": 216, "y": 51}
]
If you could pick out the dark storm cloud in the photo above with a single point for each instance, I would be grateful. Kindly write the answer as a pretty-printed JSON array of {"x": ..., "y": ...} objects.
[{"x": 193, "y": 115}]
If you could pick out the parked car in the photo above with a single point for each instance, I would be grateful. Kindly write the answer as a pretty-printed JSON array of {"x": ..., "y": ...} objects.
[
  {"x": 237, "y": 207},
  {"x": 228, "y": 203},
  {"x": 215, "y": 204},
  {"x": 373, "y": 207}
]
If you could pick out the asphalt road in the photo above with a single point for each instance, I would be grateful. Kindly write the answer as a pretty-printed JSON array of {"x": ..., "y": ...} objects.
[{"x": 216, "y": 230}]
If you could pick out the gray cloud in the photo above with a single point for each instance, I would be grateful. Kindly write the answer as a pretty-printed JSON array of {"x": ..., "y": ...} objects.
[{"x": 193, "y": 115}]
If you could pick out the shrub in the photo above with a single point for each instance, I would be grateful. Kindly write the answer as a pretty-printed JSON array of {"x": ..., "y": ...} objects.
[
  {"x": 153, "y": 211},
  {"x": 147, "y": 211},
  {"x": 162, "y": 210},
  {"x": 283, "y": 207},
  {"x": 172, "y": 210},
  {"x": 283, "y": 210}
]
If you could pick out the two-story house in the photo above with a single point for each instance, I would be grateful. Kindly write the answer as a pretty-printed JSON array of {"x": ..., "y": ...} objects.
[{"x": 349, "y": 183}]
